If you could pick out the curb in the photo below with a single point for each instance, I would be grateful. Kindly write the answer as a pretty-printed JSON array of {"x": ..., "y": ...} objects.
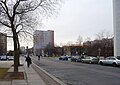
[
  {"x": 25, "y": 75},
  {"x": 47, "y": 77}
]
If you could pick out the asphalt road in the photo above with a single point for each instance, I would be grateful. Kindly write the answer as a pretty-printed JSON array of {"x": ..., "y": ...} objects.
[{"x": 73, "y": 73}]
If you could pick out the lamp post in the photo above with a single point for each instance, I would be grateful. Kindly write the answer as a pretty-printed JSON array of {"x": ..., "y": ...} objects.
[
  {"x": 99, "y": 50},
  {"x": 27, "y": 50}
]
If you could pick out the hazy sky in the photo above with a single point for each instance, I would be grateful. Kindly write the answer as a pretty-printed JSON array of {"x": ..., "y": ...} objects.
[{"x": 81, "y": 17}]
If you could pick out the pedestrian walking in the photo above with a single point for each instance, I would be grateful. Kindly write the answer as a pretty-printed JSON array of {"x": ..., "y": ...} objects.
[
  {"x": 38, "y": 57},
  {"x": 28, "y": 60}
]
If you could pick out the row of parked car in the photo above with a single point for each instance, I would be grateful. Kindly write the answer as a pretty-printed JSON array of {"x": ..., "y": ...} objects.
[
  {"x": 112, "y": 60},
  {"x": 5, "y": 58},
  {"x": 87, "y": 59}
]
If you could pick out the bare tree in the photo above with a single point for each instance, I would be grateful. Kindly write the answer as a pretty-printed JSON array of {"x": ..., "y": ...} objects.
[
  {"x": 69, "y": 43},
  {"x": 18, "y": 16},
  {"x": 79, "y": 40},
  {"x": 100, "y": 35},
  {"x": 104, "y": 40},
  {"x": 103, "y": 34},
  {"x": 87, "y": 39}
]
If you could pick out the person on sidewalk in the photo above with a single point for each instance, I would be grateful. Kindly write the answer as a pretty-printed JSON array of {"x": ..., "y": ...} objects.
[
  {"x": 38, "y": 57},
  {"x": 28, "y": 60}
]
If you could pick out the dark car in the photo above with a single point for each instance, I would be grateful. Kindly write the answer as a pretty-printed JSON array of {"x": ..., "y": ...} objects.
[
  {"x": 75, "y": 59},
  {"x": 63, "y": 58},
  {"x": 3, "y": 58}
]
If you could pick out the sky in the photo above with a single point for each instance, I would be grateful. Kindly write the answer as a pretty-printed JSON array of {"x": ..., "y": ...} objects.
[{"x": 79, "y": 17}]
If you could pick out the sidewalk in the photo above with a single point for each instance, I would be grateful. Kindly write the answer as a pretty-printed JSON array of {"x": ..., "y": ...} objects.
[{"x": 31, "y": 76}]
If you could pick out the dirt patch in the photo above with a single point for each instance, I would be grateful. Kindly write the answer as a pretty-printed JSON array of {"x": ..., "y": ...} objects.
[{"x": 14, "y": 76}]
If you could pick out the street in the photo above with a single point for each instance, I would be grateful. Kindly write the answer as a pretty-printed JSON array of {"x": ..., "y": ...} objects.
[{"x": 73, "y": 73}]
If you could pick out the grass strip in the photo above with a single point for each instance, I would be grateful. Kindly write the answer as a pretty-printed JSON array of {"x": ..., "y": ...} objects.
[{"x": 3, "y": 72}]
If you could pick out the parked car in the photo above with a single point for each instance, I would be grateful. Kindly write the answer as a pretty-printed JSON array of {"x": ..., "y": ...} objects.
[
  {"x": 10, "y": 57},
  {"x": 3, "y": 58},
  {"x": 114, "y": 61},
  {"x": 63, "y": 58},
  {"x": 69, "y": 57},
  {"x": 90, "y": 59},
  {"x": 75, "y": 58}
]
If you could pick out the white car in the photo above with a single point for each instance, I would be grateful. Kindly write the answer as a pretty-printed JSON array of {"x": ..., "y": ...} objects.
[
  {"x": 115, "y": 61},
  {"x": 89, "y": 59},
  {"x": 10, "y": 57}
]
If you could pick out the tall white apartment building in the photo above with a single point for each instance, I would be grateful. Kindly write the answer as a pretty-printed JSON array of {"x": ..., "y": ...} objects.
[
  {"x": 116, "y": 23},
  {"x": 42, "y": 40}
]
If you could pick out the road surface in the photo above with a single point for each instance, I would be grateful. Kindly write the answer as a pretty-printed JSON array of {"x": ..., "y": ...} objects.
[{"x": 73, "y": 73}]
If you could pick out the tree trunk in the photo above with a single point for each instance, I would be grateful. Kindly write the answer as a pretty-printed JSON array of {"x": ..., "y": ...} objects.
[
  {"x": 16, "y": 47},
  {"x": 18, "y": 50},
  {"x": 16, "y": 53}
]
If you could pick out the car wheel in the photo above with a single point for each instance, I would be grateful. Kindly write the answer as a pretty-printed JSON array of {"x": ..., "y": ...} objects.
[
  {"x": 114, "y": 64},
  {"x": 82, "y": 61},
  {"x": 90, "y": 62},
  {"x": 101, "y": 63}
]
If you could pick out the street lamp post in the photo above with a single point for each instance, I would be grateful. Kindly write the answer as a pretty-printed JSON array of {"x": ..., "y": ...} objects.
[
  {"x": 27, "y": 50},
  {"x": 99, "y": 50}
]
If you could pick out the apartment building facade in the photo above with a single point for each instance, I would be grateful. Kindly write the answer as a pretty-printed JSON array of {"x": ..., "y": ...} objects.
[
  {"x": 116, "y": 24},
  {"x": 3, "y": 44},
  {"x": 42, "y": 40}
]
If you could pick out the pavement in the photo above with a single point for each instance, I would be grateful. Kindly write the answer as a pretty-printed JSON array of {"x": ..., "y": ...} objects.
[{"x": 31, "y": 76}]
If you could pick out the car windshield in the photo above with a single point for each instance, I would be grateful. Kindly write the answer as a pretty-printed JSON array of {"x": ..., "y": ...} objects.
[
  {"x": 118, "y": 57},
  {"x": 107, "y": 58},
  {"x": 111, "y": 58},
  {"x": 94, "y": 59},
  {"x": 75, "y": 56},
  {"x": 87, "y": 57},
  {"x": 63, "y": 56}
]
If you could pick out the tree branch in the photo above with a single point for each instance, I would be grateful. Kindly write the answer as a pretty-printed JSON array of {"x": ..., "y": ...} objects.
[
  {"x": 15, "y": 7},
  {"x": 26, "y": 32},
  {"x": 5, "y": 24},
  {"x": 3, "y": 7},
  {"x": 6, "y": 9},
  {"x": 10, "y": 36},
  {"x": 31, "y": 8}
]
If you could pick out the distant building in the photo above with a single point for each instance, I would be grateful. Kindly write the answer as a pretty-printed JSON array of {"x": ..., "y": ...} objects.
[
  {"x": 42, "y": 40},
  {"x": 116, "y": 22},
  {"x": 3, "y": 44}
]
